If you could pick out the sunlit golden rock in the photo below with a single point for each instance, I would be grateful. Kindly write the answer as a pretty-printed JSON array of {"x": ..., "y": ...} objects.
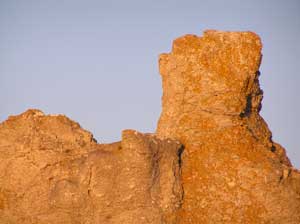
[{"x": 232, "y": 171}]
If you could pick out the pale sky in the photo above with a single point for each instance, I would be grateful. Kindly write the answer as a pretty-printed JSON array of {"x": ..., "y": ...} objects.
[{"x": 96, "y": 61}]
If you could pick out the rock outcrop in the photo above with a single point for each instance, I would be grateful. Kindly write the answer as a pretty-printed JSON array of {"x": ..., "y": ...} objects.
[
  {"x": 211, "y": 160},
  {"x": 54, "y": 172},
  {"x": 232, "y": 171}
]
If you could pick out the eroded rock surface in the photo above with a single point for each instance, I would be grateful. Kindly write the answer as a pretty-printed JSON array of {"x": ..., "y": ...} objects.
[
  {"x": 54, "y": 172},
  {"x": 232, "y": 171}
]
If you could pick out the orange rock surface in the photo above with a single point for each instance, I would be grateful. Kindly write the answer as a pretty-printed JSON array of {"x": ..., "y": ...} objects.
[
  {"x": 53, "y": 172},
  {"x": 212, "y": 159},
  {"x": 232, "y": 171}
]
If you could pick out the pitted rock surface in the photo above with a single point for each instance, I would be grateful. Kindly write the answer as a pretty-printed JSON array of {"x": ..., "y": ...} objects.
[
  {"x": 211, "y": 160},
  {"x": 54, "y": 172},
  {"x": 232, "y": 171}
]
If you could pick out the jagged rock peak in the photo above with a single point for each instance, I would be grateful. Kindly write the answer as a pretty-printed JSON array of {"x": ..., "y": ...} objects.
[
  {"x": 53, "y": 171},
  {"x": 211, "y": 160},
  {"x": 232, "y": 171}
]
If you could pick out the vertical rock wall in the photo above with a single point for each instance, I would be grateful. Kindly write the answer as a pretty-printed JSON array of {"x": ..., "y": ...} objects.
[{"x": 232, "y": 171}]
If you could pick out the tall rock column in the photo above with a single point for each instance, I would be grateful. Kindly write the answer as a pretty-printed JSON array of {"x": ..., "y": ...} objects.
[{"x": 232, "y": 171}]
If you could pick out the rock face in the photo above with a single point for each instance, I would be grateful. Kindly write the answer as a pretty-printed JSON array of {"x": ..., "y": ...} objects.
[
  {"x": 52, "y": 171},
  {"x": 212, "y": 159},
  {"x": 232, "y": 171}
]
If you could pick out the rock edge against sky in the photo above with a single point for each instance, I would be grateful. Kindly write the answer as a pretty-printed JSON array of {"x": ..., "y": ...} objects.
[{"x": 211, "y": 160}]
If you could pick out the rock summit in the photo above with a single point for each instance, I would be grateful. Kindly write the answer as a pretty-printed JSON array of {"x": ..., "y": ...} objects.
[{"x": 211, "y": 160}]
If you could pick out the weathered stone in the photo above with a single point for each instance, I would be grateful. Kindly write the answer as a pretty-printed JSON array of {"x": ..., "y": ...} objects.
[
  {"x": 232, "y": 171},
  {"x": 52, "y": 171}
]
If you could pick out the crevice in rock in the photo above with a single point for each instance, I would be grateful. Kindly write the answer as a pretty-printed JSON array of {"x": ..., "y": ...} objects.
[{"x": 247, "y": 110}]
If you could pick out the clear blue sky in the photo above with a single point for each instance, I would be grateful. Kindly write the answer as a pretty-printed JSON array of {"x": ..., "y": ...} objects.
[{"x": 96, "y": 61}]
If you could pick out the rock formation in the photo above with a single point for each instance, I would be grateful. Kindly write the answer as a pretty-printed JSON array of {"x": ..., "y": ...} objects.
[
  {"x": 232, "y": 171},
  {"x": 52, "y": 171},
  {"x": 211, "y": 160}
]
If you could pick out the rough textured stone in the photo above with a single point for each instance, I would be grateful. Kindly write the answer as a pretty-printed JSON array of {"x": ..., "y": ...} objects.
[
  {"x": 52, "y": 171},
  {"x": 232, "y": 171}
]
